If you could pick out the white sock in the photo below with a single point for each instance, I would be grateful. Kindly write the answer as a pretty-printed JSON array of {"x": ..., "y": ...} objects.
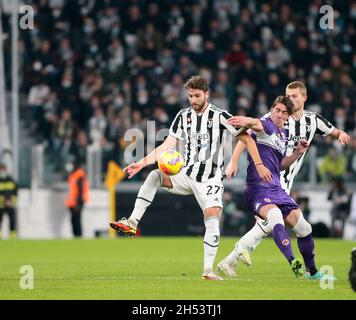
[
  {"x": 248, "y": 242},
  {"x": 211, "y": 241},
  {"x": 145, "y": 196}
]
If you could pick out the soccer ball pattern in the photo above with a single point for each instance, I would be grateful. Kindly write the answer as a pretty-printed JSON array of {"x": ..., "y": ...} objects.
[{"x": 171, "y": 162}]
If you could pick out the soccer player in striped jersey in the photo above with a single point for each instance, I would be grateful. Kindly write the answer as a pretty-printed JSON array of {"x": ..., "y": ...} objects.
[
  {"x": 301, "y": 125},
  {"x": 204, "y": 128}
]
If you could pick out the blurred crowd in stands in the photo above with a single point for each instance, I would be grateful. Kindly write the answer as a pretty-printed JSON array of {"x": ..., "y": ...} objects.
[{"x": 95, "y": 68}]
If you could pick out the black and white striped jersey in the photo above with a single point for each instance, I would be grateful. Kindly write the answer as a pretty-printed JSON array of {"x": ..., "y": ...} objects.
[
  {"x": 205, "y": 136},
  {"x": 310, "y": 123}
]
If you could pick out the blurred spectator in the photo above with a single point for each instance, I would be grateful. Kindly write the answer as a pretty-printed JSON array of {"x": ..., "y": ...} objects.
[
  {"x": 186, "y": 68},
  {"x": 235, "y": 56},
  {"x": 341, "y": 203},
  {"x": 160, "y": 117},
  {"x": 209, "y": 57},
  {"x": 174, "y": 95},
  {"x": 351, "y": 155},
  {"x": 78, "y": 194},
  {"x": 234, "y": 220},
  {"x": 78, "y": 147},
  {"x": 138, "y": 122},
  {"x": 37, "y": 97},
  {"x": 64, "y": 130},
  {"x": 302, "y": 55},
  {"x": 222, "y": 92},
  {"x": 116, "y": 58},
  {"x": 8, "y": 199},
  {"x": 303, "y": 203},
  {"x": 114, "y": 130},
  {"x": 97, "y": 126},
  {"x": 261, "y": 107},
  {"x": 277, "y": 56},
  {"x": 332, "y": 165},
  {"x": 122, "y": 57},
  {"x": 304, "y": 206},
  {"x": 51, "y": 108},
  {"x": 273, "y": 86}
]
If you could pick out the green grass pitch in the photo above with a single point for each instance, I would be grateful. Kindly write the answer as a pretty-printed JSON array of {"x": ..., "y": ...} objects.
[{"x": 161, "y": 268}]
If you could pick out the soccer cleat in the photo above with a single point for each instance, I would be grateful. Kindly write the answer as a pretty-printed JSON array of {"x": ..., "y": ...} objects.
[
  {"x": 227, "y": 268},
  {"x": 319, "y": 276},
  {"x": 297, "y": 267},
  {"x": 210, "y": 275},
  {"x": 245, "y": 258},
  {"x": 123, "y": 225}
]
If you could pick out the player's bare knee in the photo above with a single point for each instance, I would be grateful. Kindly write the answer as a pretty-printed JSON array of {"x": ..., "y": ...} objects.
[
  {"x": 212, "y": 212},
  {"x": 302, "y": 228},
  {"x": 293, "y": 217},
  {"x": 265, "y": 210}
]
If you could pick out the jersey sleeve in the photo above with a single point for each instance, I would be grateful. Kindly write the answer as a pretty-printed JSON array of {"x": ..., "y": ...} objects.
[
  {"x": 176, "y": 129},
  {"x": 323, "y": 126},
  {"x": 268, "y": 126},
  {"x": 224, "y": 116}
]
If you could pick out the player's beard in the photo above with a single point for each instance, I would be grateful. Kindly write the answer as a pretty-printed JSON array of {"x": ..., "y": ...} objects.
[{"x": 198, "y": 108}]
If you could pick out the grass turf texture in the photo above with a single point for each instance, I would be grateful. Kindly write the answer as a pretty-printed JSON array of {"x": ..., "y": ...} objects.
[{"x": 161, "y": 268}]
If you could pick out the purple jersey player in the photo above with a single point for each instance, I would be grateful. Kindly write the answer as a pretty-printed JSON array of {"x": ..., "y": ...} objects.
[
  {"x": 301, "y": 124},
  {"x": 271, "y": 145},
  {"x": 268, "y": 199}
]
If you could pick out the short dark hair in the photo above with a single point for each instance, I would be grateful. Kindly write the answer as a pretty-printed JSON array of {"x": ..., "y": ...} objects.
[
  {"x": 197, "y": 82},
  {"x": 285, "y": 101}
]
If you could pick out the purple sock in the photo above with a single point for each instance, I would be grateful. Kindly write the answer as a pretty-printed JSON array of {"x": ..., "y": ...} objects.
[
  {"x": 283, "y": 242},
  {"x": 306, "y": 248}
]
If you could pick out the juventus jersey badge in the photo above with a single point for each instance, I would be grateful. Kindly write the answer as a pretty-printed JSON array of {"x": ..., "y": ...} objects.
[
  {"x": 210, "y": 123},
  {"x": 189, "y": 122}
]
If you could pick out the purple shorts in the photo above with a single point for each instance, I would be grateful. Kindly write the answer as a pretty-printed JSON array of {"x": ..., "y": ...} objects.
[{"x": 258, "y": 197}]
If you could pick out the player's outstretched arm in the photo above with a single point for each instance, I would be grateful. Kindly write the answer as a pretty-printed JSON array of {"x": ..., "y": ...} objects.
[
  {"x": 246, "y": 122},
  {"x": 262, "y": 171},
  {"x": 136, "y": 167},
  {"x": 342, "y": 137},
  {"x": 232, "y": 167},
  {"x": 288, "y": 160}
]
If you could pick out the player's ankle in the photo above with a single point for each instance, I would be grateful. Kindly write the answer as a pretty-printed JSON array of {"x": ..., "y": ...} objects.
[
  {"x": 312, "y": 271},
  {"x": 132, "y": 222},
  {"x": 232, "y": 260}
]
